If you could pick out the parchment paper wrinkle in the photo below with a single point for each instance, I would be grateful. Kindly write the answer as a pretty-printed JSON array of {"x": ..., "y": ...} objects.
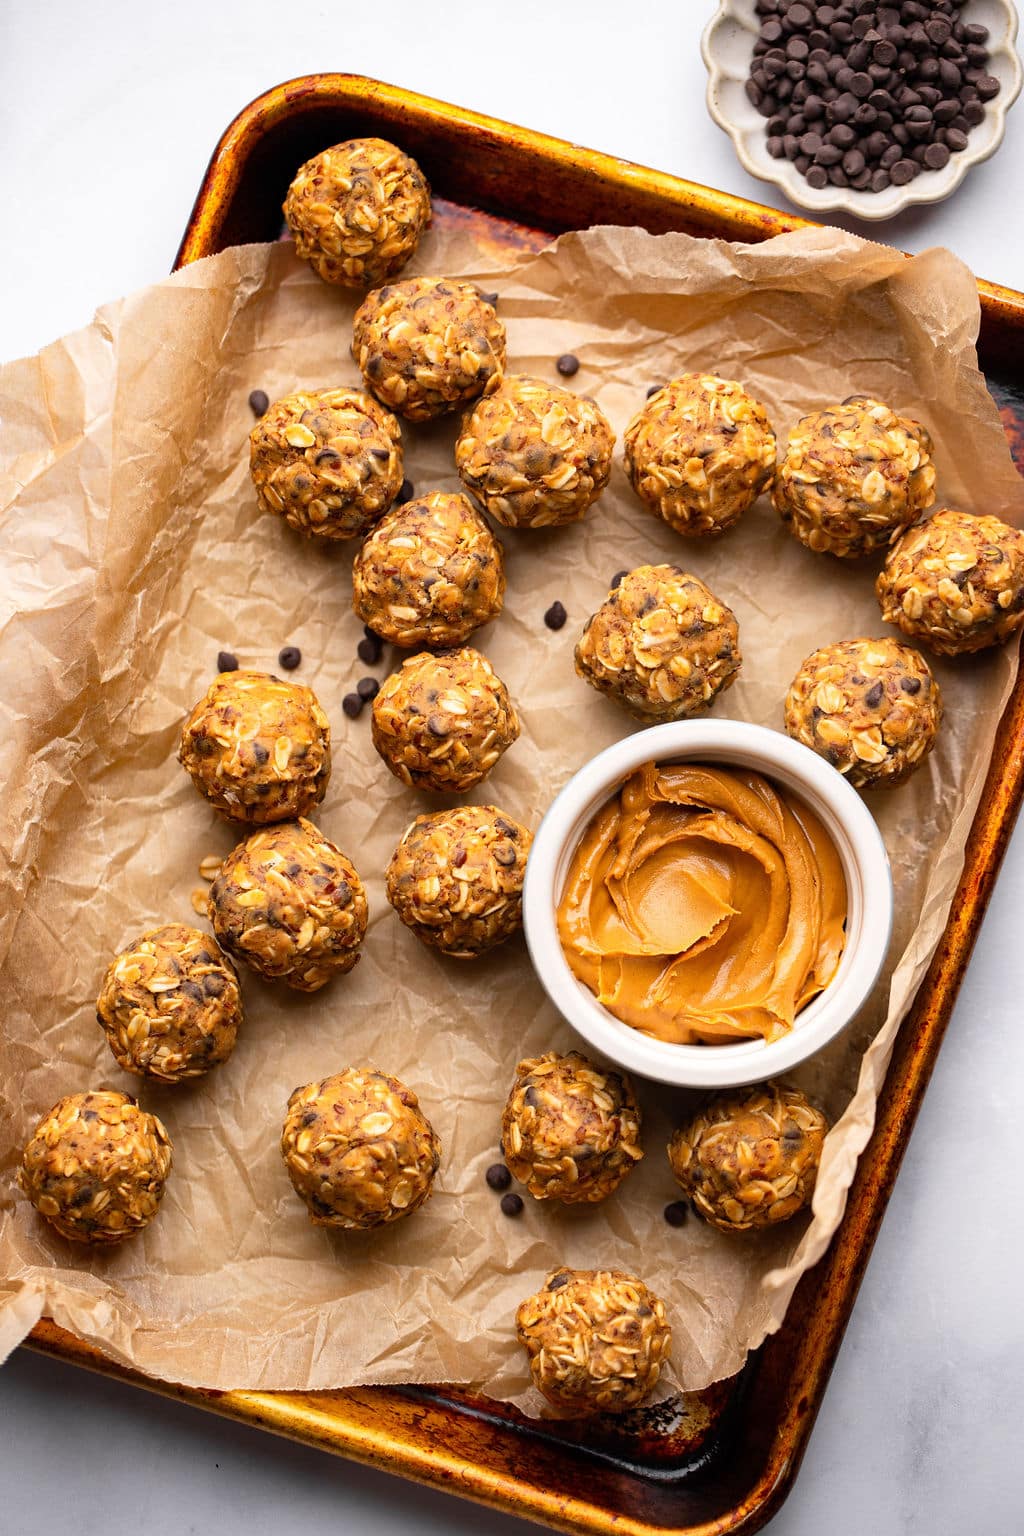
[{"x": 132, "y": 552}]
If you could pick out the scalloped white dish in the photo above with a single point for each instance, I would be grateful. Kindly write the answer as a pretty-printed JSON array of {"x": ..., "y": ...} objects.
[{"x": 727, "y": 48}]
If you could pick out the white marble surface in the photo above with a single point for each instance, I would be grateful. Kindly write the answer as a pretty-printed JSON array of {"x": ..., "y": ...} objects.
[{"x": 108, "y": 113}]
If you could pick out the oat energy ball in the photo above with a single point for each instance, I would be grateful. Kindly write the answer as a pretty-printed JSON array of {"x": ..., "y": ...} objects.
[
  {"x": 96, "y": 1167},
  {"x": 853, "y": 476},
  {"x": 870, "y": 707},
  {"x": 428, "y": 345},
  {"x": 570, "y": 1130},
  {"x": 456, "y": 879},
  {"x": 956, "y": 583},
  {"x": 329, "y": 462},
  {"x": 661, "y": 644},
  {"x": 700, "y": 453},
  {"x": 443, "y": 721},
  {"x": 289, "y": 904},
  {"x": 430, "y": 573},
  {"x": 257, "y": 748},
  {"x": 359, "y": 1150},
  {"x": 170, "y": 1004},
  {"x": 357, "y": 211},
  {"x": 749, "y": 1158},
  {"x": 596, "y": 1339},
  {"x": 534, "y": 455}
]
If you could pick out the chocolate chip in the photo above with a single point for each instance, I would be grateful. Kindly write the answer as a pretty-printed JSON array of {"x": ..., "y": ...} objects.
[
  {"x": 557, "y": 1281},
  {"x": 988, "y": 86},
  {"x": 555, "y": 616},
  {"x": 227, "y": 661},
  {"x": 259, "y": 402},
  {"x": 498, "y": 1177},
  {"x": 369, "y": 649},
  {"x": 903, "y": 172},
  {"x": 568, "y": 364},
  {"x": 289, "y": 657},
  {"x": 406, "y": 492},
  {"x": 936, "y": 156},
  {"x": 817, "y": 176},
  {"x": 511, "y": 1205},
  {"x": 617, "y": 580},
  {"x": 873, "y": 697},
  {"x": 490, "y": 298},
  {"x": 677, "y": 1213},
  {"x": 652, "y": 389},
  {"x": 352, "y": 704},
  {"x": 367, "y": 688},
  {"x": 910, "y": 684}
]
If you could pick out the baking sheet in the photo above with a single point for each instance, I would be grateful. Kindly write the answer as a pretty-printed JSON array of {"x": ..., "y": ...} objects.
[{"x": 134, "y": 554}]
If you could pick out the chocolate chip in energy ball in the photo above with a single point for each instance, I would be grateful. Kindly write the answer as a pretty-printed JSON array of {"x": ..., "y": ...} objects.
[
  {"x": 498, "y": 1177},
  {"x": 894, "y": 88},
  {"x": 568, "y": 364},
  {"x": 227, "y": 661},
  {"x": 511, "y": 1204},
  {"x": 352, "y": 704},
  {"x": 555, "y": 616},
  {"x": 617, "y": 580},
  {"x": 289, "y": 657},
  {"x": 259, "y": 402}
]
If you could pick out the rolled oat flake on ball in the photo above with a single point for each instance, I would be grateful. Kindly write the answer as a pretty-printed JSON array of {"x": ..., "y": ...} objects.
[
  {"x": 955, "y": 583},
  {"x": 596, "y": 1339},
  {"x": 170, "y": 1004},
  {"x": 661, "y": 644},
  {"x": 357, "y": 211},
  {"x": 430, "y": 573},
  {"x": 258, "y": 749},
  {"x": 428, "y": 345},
  {"x": 358, "y": 1149},
  {"x": 329, "y": 462},
  {"x": 96, "y": 1166}
]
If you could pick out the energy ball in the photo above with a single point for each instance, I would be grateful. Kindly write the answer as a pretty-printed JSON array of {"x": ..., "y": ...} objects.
[
  {"x": 870, "y": 707},
  {"x": 357, "y": 211},
  {"x": 596, "y": 1338},
  {"x": 96, "y": 1167},
  {"x": 749, "y": 1158},
  {"x": 661, "y": 644},
  {"x": 956, "y": 583},
  {"x": 534, "y": 455},
  {"x": 170, "y": 1004},
  {"x": 289, "y": 904},
  {"x": 700, "y": 453},
  {"x": 570, "y": 1130},
  {"x": 456, "y": 879},
  {"x": 430, "y": 573},
  {"x": 442, "y": 722},
  {"x": 428, "y": 345},
  {"x": 853, "y": 477},
  {"x": 257, "y": 748},
  {"x": 329, "y": 463},
  {"x": 359, "y": 1150}
]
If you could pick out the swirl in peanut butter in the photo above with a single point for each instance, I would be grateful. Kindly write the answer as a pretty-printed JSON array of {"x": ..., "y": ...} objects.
[{"x": 704, "y": 905}]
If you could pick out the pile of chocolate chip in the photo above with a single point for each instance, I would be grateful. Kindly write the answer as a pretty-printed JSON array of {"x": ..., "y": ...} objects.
[{"x": 865, "y": 95}]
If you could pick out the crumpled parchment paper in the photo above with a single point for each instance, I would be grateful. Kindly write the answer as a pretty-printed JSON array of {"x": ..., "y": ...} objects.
[{"x": 132, "y": 552}]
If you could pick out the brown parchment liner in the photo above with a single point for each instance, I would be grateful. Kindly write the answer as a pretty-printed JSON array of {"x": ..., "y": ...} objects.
[{"x": 132, "y": 552}]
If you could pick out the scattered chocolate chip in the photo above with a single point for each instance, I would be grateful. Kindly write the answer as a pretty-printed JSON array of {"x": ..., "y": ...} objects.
[
  {"x": 568, "y": 364},
  {"x": 677, "y": 1213},
  {"x": 352, "y": 704},
  {"x": 490, "y": 298},
  {"x": 227, "y": 661},
  {"x": 259, "y": 402},
  {"x": 511, "y": 1204},
  {"x": 555, "y": 616},
  {"x": 498, "y": 1177},
  {"x": 367, "y": 688},
  {"x": 289, "y": 657},
  {"x": 369, "y": 649},
  {"x": 617, "y": 579},
  {"x": 406, "y": 492}
]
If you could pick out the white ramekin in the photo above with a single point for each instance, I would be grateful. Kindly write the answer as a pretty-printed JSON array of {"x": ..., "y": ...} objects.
[{"x": 868, "y": 883}]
